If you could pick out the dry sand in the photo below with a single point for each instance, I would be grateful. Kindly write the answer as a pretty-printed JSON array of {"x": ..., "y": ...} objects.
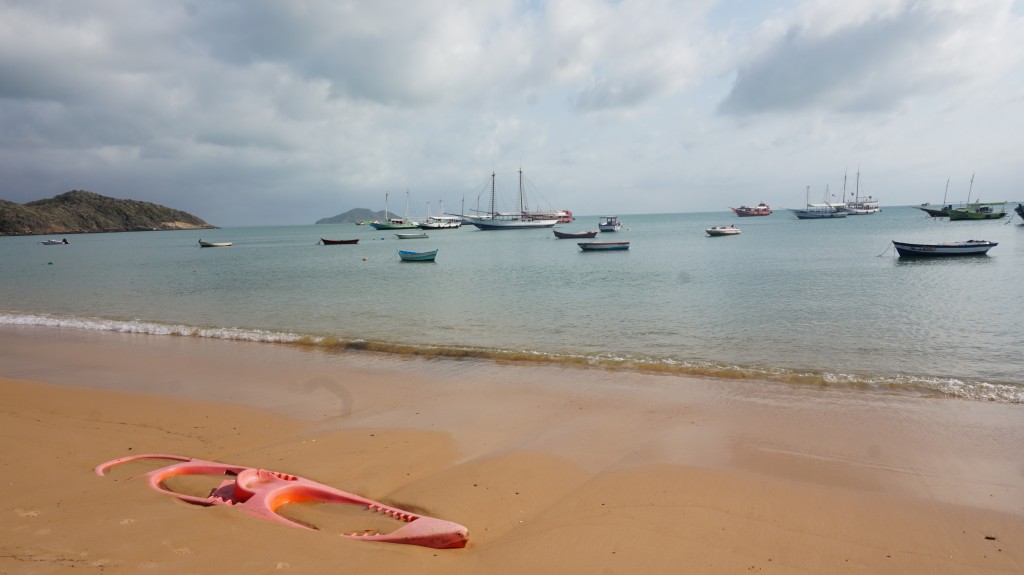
[{"x": 552, "y": 470}]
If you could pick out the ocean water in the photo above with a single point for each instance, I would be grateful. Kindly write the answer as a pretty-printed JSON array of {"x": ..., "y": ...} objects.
[{"x": 815, "y": 303}]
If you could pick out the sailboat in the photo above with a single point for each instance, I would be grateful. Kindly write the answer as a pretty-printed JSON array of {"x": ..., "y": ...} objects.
[
  {"x": 521, "y": 219},
  {"x": 818, "y": 211},
  {"x": 858, "y": 206},
  {"x": 390, "y": 223}
]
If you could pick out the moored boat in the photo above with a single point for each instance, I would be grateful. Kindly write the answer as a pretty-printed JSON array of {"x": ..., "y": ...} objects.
[
  {"x": 51, "y": 242},
  {"x": 441, "y": 223},
  {"x": 203, "y": 244},
  {"x": 714, "y": 231},
  {"x": 328, "y": 242},
  {"x": 412, "y": 236},
  {"x": 522, "y": 219},
  {"x": 978, "y": 211},
  {"x": 390, "y": 223},
  {"x": 609, "y": 224},
  {"x": 575, "y": 235},
  {"x": 1020, "y": 210},
  {"x": 603, "y": 246},
  {"x": 825, "y": 210},
  {"x": 761, "y": 209},
  {"x": 410, "y": 256},
  {"x": 967, "y": 248}
]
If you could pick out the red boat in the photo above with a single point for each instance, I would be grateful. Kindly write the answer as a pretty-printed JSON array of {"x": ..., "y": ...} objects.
[
  {"x": 328, "y": 242},
  {"x": 761, "y": 209}
]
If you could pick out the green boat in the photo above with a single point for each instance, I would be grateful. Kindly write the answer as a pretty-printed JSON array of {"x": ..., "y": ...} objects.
[{"x": 978, "y": 211}]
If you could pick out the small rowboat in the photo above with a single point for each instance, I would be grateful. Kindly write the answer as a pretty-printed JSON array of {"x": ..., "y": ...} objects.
[
  {"x": 408, "y": 256},
  {"x": 714, "y": 231},
  {"x": 602, "y": 246},
  {"x": 412, "y": 236},
  {"x": 575, "y": 235},
  {"x": 60, "y": 242},
  {"x": 968, "y": 248},
  {"x": 203, "y": 244},
  {"x": 328, "y": 242}
]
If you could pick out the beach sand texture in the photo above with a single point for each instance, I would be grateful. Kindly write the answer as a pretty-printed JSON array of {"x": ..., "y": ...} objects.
[{"x": 553, "y": 470}]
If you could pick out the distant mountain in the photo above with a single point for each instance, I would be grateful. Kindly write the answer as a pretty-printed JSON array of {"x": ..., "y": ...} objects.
[
  {"x": 79, "y": 211},
  {"x": 352, "y": 216}
]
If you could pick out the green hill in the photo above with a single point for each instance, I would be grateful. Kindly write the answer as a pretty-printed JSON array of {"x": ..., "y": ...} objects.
[
  {"x": 79, "y": 211},
  {"x": 352, "y": 216}
]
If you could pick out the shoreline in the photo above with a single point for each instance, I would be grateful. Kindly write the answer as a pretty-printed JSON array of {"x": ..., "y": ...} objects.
[{"x": 553, "y": 470}]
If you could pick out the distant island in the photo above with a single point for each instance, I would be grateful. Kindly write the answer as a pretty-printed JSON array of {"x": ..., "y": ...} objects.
[
  {"x": 354, "y": 215},
  {"x": 80, "y": 211}
]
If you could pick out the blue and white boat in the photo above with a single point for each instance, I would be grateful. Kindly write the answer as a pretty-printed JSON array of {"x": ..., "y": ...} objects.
[
  {"x": 410, "y": 256},
  {"x": 968, "y": 248}
]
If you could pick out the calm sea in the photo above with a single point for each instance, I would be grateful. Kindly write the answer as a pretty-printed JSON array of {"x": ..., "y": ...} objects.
[{"x": 823, "y": 303}]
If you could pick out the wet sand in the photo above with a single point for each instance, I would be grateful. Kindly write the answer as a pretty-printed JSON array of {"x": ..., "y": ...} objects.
[{"x": 553, "y": 470}]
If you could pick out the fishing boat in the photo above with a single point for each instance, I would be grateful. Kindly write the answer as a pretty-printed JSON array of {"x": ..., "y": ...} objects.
[
  {"x": 967, "y": 248},
  {"x": 518, "y": 220},
  {"x": 390, "y": 223},
  {"x": 1020, "y": 210},
  {"x": 412, "y": 236},
  {"x": 575, "y": 235},
  {"x": 761, "y": 209},
  {"x": 978, "y": 211},
  {"x": 715, "y": 231},
  {"x": 203, "y": 244},
  {"x": 603, "y": 246},
  {"x": 60, "y": 242},
  {"x": 609, "y": 224},
  {"x": 441, "y": 222},
  {"x": 328, "y": 242},
  {"x": 409, "y": 256},
  {"x": 821, "y": 211}
]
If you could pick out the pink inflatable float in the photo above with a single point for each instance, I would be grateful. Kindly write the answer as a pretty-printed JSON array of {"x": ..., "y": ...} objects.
[{"x": 260, "y": 493}]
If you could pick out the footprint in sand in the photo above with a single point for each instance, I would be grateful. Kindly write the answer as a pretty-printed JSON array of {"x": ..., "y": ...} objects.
[
  {"x": 30, "y": 514},
  {"x": 127, "y": 521}
]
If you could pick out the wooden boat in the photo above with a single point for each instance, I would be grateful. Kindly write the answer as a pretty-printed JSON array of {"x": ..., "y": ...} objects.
[
  {"x": 978, "y": 211},
  {"x": 714, "y": 231},
  {"x": 408, "y": 256},
  {"x": 412, "y": 236},
  {"x": 761, "y": 209},
  {"x": 203, "y": 244},
  {"x": 968, "y": 248},
  {"x": 609, "y": 224},
  {"x": 575, "y": 235},
  {"x": 942, "y": 212},
  {"x": 60, "y": 242},
  {"x": 1020, "y": 210},
  {"x": 519, "y": 220},
  {"x": 603, "y": 246},
  {"x": 328, "y": 242}
]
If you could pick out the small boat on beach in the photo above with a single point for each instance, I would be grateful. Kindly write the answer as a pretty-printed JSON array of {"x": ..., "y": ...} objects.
[
  {"x": 715, "y": 231},
  {"x": 328, "y": 242},
  {"x": 412, "y": 236},
  {"x": 203, "y": 244},
  {"x": 60, "y": 242},
  {"x": 575, "y": 235},
  {"x": 603, "y": 246},
  {"x": 968, "y": 248},
  {"x": 761, "y": 209},
  {"x": 609, "y": 224},
  {"x": 409, "y": 256}
]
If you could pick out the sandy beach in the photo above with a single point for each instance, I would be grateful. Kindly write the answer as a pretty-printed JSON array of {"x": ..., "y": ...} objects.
[{"x": 552, "y": 470}]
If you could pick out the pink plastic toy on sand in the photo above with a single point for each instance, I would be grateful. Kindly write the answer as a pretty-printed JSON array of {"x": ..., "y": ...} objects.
[{"x": 260, "y": 493}]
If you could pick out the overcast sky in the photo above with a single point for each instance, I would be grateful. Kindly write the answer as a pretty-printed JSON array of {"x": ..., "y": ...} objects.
[{"x": 255, "y": 112}]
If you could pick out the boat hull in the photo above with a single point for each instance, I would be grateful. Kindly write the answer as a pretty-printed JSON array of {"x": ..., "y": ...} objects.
[
  {"x": 935, "y": 213},
  {"x": 722, "y": 231},
  {"x": 817, "y": 215},
  {"x": 408, "y": 256},
  {"x": 603, "y": 246},
  {"x": 968, "y": 248},
  {"x": 412, "y": 236},
  {"x": 328, "y": 242},
  {"x": 510, "y": 224},
  {"x": 203, "y": 244},
  {"x": 747, "y": 211}
]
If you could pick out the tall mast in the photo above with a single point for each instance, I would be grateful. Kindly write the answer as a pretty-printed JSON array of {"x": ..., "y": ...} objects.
[
  {"x": 857, "y": 197},
  {"x": 522, "y": 198},
  {"x": 492, "y": 195},
  {"x": 385, "y": 206},
  {"x": 944, "y": 193},
  {"x": 969, "y": 189}
]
